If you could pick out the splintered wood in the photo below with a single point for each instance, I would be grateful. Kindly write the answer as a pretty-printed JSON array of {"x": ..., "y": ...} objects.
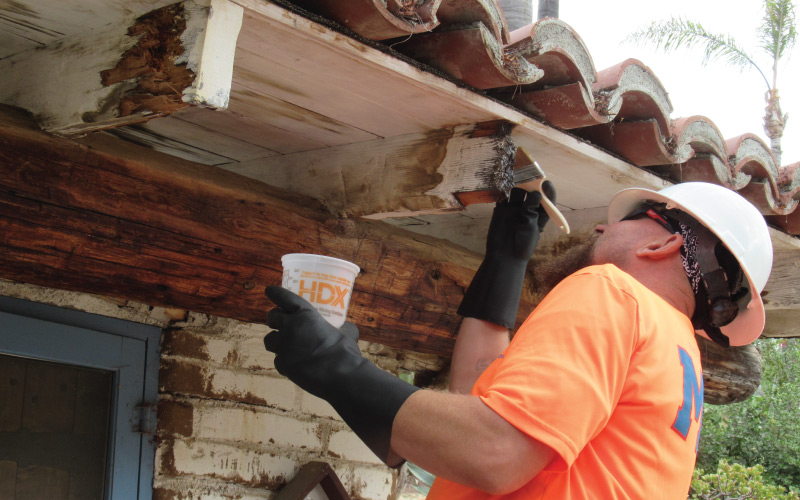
[{"x": 151, "y": 63}]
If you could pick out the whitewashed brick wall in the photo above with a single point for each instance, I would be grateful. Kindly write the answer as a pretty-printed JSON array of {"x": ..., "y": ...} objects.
[
  {"x": 239, "y": 424},
  {"x": 229, "y": 426}
]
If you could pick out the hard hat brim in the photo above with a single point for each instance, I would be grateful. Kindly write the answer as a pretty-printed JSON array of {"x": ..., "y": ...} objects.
[{"x": 749, "y": 323}]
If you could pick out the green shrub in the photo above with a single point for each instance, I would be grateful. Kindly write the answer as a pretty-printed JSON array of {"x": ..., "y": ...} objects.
[
  {"x": 764, "y": 429},
  {"x": 736, "y": 482}
]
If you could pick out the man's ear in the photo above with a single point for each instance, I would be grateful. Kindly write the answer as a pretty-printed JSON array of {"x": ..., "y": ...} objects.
[{"x": 661, "y": 248}]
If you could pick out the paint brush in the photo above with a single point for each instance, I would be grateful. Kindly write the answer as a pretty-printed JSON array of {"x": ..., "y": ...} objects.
[{"x": 530, "y": 178}]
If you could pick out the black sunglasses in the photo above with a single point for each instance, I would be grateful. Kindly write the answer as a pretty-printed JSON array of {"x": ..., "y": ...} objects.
[{"x": 647, "y": 210}]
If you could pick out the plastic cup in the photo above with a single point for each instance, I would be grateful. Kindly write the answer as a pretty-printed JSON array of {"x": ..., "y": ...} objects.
[{"x": 324, "y": 281}]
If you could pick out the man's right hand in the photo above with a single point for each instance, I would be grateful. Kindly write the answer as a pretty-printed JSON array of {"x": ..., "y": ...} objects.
[
  {"x": 514, "y": 231},
  {"x": 517, "y": 223}
]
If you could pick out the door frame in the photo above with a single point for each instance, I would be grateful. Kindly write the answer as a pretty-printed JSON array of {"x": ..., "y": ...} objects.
[{"x": 130, "y": 350}]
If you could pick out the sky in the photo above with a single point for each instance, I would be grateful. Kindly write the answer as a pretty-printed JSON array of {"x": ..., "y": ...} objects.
[{"x": 731, "y": 98}]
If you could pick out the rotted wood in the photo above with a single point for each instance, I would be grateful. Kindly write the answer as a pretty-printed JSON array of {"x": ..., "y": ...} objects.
[
  {"x": 130, "y": 71},
  {"x": 139, "y": 225}
]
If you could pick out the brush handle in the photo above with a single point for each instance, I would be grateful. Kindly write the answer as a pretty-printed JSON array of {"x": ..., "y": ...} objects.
[
  {"x": 555, "y": 214},
  {"x": 549, "y": 207}
]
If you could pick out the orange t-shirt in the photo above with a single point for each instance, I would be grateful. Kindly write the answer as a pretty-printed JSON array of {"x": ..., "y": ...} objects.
[{"x": 607, "y": 374}]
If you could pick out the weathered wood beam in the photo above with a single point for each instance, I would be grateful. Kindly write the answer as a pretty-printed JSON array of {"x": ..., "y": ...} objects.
[
  {"x": 396, "y": 176},
  {"x": 114, "y": 219},
  {"x": 729, "y": 375},
  {"x": 140, "y": 225},
  {"x": 782, "y": 297},
  {"x": 131, "y": 71}
]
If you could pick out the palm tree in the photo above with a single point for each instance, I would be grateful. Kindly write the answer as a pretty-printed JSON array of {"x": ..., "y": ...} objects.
[
  {"x": 548, "y": 8},
  {"x": 519, "y": 13},
  {"x": 777, "y": 34}
]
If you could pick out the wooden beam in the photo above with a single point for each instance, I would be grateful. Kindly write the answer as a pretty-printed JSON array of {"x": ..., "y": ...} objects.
[
  {"x": 396, "y": 176},
  {"x": 114, "y": 219},
  {"x": 782, "y": 295},
  {"x": 783, "y": 286},
  {"x": 729, "y": 375},
  {"x": 129, "y": 72},
  {"x": 139, "y": 225}
]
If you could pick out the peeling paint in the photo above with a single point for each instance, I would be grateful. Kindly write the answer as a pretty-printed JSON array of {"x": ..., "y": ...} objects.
[
  {"x": 175, "y": 418},
  {"x": 167, "y": 452},
  {"x": 178, "y": 342}
]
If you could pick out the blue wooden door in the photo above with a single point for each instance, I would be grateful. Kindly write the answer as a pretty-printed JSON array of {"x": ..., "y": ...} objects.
[{"x": 127, "y": 351}]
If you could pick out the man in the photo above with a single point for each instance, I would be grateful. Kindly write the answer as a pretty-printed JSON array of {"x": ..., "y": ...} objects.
[{"x": 599, "y": 394}]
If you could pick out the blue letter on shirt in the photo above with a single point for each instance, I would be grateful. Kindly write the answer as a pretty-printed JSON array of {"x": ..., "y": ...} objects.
[{"x": 692, "y": 396}]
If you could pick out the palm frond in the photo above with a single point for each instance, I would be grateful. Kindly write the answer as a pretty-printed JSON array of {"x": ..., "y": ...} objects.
[
  {"x": 778, "y": 30},
  {"x": 676, "y": 33}
]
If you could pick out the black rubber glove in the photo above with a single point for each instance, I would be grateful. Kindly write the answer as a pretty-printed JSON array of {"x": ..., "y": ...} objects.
[
  {"x": 326, "y": 361},
  {"x": 494, "y": 293}
]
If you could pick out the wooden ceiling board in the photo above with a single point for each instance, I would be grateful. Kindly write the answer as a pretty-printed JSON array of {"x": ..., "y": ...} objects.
[
  {"x": 247, "y": 129},
  {"x": 28, "y": 24},
  {"x": 586, "y": 176},
  {"x": 200, "y": 137},
  {"x": 140, "y": 135},
  {"x": 345, "y": 79},
  {"x": 315, "y": 127},
  {"x": 280, "y": 58}
]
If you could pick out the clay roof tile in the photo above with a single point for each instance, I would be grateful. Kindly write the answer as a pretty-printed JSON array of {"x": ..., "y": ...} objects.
[{"x": 546, "y": 70}]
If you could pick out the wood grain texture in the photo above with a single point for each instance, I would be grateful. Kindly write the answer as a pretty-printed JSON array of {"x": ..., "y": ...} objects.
[
  {"x": 173, "y": 233},
  {"x": 729, "y": 375},
  {"x": 782, "y": 295},
  {"x": 138, "y": 225},
  {"x": 410, "y": 174}
]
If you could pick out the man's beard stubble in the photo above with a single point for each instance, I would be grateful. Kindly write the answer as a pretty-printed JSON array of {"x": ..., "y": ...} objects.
[{"x": 548, "y": 273}]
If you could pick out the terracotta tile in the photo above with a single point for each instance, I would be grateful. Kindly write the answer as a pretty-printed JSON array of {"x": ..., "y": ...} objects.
[
  {"x": 471, "y": 55},
  {"x": 567, "y": 106},
  {"x": 468, "y": 12},
  {"x": 546, "y": 70},
  {"x": 789, "y": 223},
  {"x": 701, "y": 134},
  {"x": 375, "y": 19},
  {"x": 639, "y": 142},
  {"x": 554, "y": 47}
]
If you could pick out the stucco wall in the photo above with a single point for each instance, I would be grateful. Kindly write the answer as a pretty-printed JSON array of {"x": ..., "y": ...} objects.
[{"x": 230, "y": 426}]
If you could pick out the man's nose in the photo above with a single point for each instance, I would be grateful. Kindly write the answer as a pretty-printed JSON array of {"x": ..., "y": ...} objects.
[{"x": 600, "y": 228}]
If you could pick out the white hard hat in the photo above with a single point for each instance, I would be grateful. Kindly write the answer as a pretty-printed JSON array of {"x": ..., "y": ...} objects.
[{"x": 737, "y": 224}]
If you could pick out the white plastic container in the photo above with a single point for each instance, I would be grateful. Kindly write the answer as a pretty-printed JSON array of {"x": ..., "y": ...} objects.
[{"x": 324, "y": 281}]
